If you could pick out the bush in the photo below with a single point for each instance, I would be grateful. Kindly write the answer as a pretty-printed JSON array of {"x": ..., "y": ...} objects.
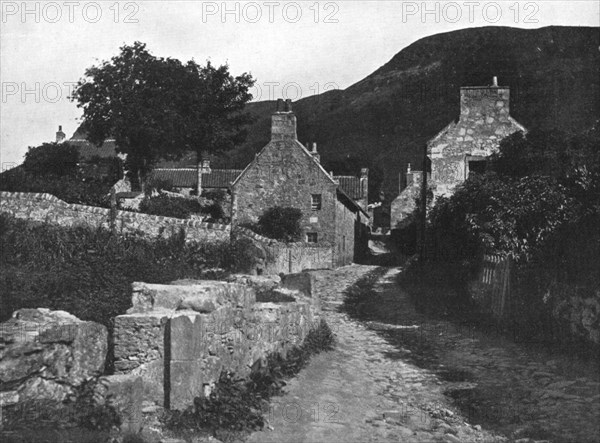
[
  {"x": 53, "y": 169},
  {"x": 89, "y": 272},
  {"x": 154, "y": 184},
  {"x": 52, "y": 159},
  {"x": 540, "y": 205},
  {"x": 177, "y": 207},
  {"x": 281, "y": 223},
  {"x": 71, "y": 189}
]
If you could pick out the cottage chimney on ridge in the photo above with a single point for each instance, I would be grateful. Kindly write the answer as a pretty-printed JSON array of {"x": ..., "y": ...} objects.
[
  {"x": 60, "y": 135},
  {"x": 283, "y": 122}
]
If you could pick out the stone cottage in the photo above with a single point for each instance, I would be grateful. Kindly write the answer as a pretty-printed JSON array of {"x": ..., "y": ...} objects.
[
  {"x": 405, "y": 204},
  {"x": 285, "y": 173},
  {"x": 463, "y": 146}
]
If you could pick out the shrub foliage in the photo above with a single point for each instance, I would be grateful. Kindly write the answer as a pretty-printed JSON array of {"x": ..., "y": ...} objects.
[
  {"x": 539, "y": 205},
  {"x": 89, "y": 272},
  {"x": 53, "y": 168},
  {"x": 281, "y": 223}
]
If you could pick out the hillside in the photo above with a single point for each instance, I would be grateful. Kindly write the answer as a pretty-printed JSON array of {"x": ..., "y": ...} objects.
[{"x": 384, "y": 120}]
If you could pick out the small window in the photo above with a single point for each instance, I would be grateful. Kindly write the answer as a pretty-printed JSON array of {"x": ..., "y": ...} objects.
[
  {"x": 312, "y": 237},
  {"x": 477, "y": 166},
  {"x": 315, "y": 202}
]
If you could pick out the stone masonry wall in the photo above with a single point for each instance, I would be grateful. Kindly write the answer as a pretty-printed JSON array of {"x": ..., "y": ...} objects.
[
  {"x": 49, "y": 209},
  {"x": 273, "y": 257},
  {"x": 346, "y": 224},
  {"x": 405, "y": 204},
  {"x": 178, "y": 338},
  {"x": 484, "y": 121}
]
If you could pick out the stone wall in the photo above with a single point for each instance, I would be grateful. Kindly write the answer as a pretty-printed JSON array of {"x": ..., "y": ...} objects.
[
  {"x": 178, "y": 338},
  {"x": 273, "y": 258},
  {"x": 347, "y": 228},
  {"x": 49, "y": 209},
  {"x": 405, "y": 204},
  {"x": 580, "y": 315}
]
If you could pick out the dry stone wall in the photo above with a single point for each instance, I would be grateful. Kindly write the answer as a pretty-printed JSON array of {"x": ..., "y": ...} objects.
[
  {"x": 273, "y": 258},
  {"x": 49, "y": 209},
  {"x": 178, "y": 338}
]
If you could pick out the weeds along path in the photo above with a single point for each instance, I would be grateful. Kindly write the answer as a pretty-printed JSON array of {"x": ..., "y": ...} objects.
[{"x": 363, "y": 391}]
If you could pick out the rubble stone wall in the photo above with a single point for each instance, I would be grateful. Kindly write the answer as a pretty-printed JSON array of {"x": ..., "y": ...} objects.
[
  {"x": 179, "y": 338},
  {"x": 273, "y": 258},
  {"x": 49, "y": 209}
]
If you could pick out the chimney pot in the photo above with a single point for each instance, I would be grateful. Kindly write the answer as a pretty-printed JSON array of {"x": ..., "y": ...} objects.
[
  {"x": 314, "y": 147},
  {"x": 495, "y": 82},
  {"x": 288, "y": 105},
  {"x": 408, "y": 168},
  {"x": 279, "y": 104}
]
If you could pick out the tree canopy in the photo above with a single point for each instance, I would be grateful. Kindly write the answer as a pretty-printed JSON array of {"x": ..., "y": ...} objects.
[{"x": 158, "y": 107}]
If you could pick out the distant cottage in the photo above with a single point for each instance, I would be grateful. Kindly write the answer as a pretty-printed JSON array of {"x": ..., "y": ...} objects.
[
  {"x": 462, "y": 147},
  {"x": 405, "y": 204},
  {"x": 285, "y": 173}
]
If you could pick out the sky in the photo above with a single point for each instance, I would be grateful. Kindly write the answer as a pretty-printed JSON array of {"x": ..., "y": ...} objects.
[{"x": 292, "y": 49}]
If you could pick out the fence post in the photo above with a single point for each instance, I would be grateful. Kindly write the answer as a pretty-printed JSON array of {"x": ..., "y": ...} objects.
[{"x": 113, "y": 210}]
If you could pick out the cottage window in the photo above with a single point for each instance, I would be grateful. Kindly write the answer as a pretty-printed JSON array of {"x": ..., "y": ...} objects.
[
  {"x": 477, "y": 167},
  {"x": 315, "y": 202},
  {"x": 312, "y": 237}
]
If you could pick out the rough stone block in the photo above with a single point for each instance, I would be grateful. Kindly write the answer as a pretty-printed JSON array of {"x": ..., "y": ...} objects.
[
  {"x": 47, "y": 354},
  {"x": 124, "y": 392},
  {"x": 303, "y": 282}
]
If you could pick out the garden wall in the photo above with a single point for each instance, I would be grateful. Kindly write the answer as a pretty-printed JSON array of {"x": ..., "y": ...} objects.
[
  {"x": 49, "y": 209},
  {"x": 179, "y": 338},
  {"x": 273, "y": 257}
]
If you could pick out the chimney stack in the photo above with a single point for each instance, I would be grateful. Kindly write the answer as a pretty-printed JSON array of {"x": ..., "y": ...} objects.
[
  {"x": 314, "y": 152},
  {"x": 364, "y": 187},
  {"x": 283, "y": 122},
  {"x": 487, "y": 103},
  {"x": 60, "y": 135}
]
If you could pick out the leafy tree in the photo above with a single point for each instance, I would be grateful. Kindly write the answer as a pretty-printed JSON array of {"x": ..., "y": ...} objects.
[
  {"x": 166, "y": 206},
  {"x": 159, "y": 107},
  {"x": 54, "y": 169},
  {"x": 281, "y": 223},
  {"x": 52, "y": 158}
]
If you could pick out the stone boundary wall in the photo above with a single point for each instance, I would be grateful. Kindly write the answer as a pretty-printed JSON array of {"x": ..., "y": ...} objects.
[
  {"x": 179, "y": 338},
  {"x": 50, "y": 209},
  {"x": 274, "y": 258}
]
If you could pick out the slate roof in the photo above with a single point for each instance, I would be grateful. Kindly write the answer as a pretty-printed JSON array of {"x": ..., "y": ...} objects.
[
  {"x": 188, "y": 177},
  {"x": 350, "y": 185}
]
